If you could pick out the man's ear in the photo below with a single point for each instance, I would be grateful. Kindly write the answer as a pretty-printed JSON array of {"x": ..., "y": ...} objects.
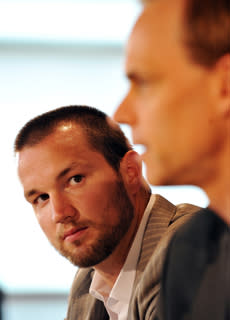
[
  {"x": 131, "y": 171},
  {"x": 223, "y": 68}
]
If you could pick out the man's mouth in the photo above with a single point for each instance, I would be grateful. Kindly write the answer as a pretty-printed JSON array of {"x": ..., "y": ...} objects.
[{"x": 74, "y": 234}]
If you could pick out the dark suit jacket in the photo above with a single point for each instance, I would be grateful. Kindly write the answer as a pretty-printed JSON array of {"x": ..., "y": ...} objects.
[
  {"x": 196, "y": 276},
  {"x": 164, "y": 219}
]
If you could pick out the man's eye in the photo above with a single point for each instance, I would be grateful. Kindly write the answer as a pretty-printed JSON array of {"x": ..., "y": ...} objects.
[
  {"x": 76, "y": 179},
  {"x": 40, "y": 199}
]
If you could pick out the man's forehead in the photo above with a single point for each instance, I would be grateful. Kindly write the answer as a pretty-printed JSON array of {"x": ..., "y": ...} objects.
[
  {"x": 158, "y": 26},
  {"x": 67, "y": 132},
  {"x": 160, "y": 13},
  {"x": 65, "y": 135}
]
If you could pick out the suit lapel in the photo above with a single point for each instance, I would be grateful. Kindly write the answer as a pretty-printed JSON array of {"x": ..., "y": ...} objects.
[
  {"x": 159, "y": 219},
  {"x": 82, "y": 305}
]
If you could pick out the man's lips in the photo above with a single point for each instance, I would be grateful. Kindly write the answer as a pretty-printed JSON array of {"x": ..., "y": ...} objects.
[{"x": 74, "y": 234}]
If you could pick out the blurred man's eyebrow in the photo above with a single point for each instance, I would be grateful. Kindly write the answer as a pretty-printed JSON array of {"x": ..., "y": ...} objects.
[{"x": 132, "y": 76}]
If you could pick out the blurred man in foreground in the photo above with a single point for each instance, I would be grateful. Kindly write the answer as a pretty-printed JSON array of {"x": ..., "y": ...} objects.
[{"x": 178, "y": 105}]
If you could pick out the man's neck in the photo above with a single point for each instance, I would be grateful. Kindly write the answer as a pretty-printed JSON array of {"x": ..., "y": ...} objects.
[
  {"x": 217, "y": 185},
  {"x": 110, "y": 268},
  {"x": 219, "y": 195}
]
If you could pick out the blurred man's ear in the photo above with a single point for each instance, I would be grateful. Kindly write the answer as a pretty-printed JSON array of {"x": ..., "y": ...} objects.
[
  {"x": 223, "y": 69},
  {"x": 131, "y": 171}
]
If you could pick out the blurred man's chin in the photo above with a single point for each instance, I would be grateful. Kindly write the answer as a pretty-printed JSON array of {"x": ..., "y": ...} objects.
[
  {"x": 153, "y": 178},
  {"x": 156, "y": 176}
]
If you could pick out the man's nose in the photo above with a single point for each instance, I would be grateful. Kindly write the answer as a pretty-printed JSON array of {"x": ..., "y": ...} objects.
[
  {"x": 61, "y": 209},
  {"x": 125, "y": 112}
]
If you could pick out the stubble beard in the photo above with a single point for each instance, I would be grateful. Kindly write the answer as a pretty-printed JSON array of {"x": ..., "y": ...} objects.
[{"x": 109, "y": 236}]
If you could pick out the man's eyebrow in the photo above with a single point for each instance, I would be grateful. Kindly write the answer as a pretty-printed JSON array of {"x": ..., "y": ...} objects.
[
  {"x": 30, "y": 194},
  {"x": 64, "y": 172}
]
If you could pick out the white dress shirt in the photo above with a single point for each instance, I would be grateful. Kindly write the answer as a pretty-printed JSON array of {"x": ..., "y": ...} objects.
[{"x": 116, "y": 301}]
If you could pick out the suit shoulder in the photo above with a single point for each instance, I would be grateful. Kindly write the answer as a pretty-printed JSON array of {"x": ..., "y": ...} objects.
[
  {"x": 184, "y": 209},
  {"x": 205, "y": 224}
]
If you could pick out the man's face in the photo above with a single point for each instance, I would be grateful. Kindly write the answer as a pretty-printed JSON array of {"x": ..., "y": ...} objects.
[
  {"x": 171, "y": 102},
  {"x": 79, "y": 200}
]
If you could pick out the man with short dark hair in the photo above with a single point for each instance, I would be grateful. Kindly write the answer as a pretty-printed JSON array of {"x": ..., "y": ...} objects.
[
  {"x": 86, "y": 187},
  {"x": 178, "y": 105}
]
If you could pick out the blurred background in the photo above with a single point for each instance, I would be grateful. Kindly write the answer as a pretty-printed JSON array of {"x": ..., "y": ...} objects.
[{"x": 53, "y": 53}]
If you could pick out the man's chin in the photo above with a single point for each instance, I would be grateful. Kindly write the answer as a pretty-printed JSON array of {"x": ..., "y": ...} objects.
[{"x": 82, "y": 256}]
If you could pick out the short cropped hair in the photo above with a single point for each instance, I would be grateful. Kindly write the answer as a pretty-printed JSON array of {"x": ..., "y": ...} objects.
[
  {"x": 206, "y": 30},
  {"x": 104, "y": 137}
]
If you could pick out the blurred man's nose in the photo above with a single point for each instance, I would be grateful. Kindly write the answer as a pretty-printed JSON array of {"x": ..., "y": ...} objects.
[{"x": 125, "y": 112}]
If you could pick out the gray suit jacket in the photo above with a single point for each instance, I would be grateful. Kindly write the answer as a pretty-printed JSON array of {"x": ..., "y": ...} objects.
[{"x": 163, "y": 220}]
